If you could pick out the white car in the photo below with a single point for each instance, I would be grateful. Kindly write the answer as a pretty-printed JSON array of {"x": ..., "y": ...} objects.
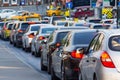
[
  {"x": 43, "y": 33},
  {"x": 29, "y": 35},
  {"x": 101, "y": 61},
  {"x": 4, "y": 13}
]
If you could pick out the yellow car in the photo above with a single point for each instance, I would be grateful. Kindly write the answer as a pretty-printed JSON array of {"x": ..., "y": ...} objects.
[
  {"x": 54, "y": 12},
  {"x": 26, "y": 15}
]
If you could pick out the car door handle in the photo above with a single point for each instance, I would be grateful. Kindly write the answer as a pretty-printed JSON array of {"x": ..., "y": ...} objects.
[{"x": 87, "y": 60}]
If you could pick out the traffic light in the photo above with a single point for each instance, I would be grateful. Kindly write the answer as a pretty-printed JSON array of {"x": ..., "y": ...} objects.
[{"x": 112, "y": 2}]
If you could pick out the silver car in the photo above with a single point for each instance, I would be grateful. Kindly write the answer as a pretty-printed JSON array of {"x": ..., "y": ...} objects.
[{"x": 101, "y": 61}]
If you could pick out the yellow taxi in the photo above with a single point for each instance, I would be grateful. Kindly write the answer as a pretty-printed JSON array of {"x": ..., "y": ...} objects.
[
  {"x": 54, "y": 11},
  {"x": 27, "y": 16}
]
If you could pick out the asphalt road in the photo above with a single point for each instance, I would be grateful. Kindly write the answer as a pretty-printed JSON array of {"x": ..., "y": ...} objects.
[{"x": 15, "y": 64}]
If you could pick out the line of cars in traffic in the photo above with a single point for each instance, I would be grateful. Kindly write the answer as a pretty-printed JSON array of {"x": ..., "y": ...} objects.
[{"x": 74, "y": 52}]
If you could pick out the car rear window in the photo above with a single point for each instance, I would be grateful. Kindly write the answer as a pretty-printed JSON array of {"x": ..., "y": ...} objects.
[
  {"x": 24, "y": 26},
  {"x": 60, "y": 36},
  {"x": 10, "y": 26},
  {"x": 47, "y": 30},
  {"x": 101, "y": 26},
  {"x": 35, "y": 28},
  {"x": 61, "y": 23},
  {"x": 83, "y": 38},
  {"x": 114, "y": 43},
  {"x": 94, "y": 21}
]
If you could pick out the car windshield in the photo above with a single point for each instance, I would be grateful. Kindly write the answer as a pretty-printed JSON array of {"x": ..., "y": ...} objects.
[
  {"x": 58, "y": 18},
  {"x": 47, "y": 30},
  {"x": 83, "y": 38},
  {"x": 35, "y": 28},
  {"x": 114, "y": 43},
  {"x": 60, "y": 36}
]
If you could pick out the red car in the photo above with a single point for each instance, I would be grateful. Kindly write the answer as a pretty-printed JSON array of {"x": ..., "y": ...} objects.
[{"x": 82, "y": 11}]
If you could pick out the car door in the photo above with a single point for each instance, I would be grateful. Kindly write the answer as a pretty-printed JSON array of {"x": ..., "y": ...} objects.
[
  {"x": 94, "y": 57},
  {"x": 85, "y": 62},
  {"x": 57, "y": 57}
]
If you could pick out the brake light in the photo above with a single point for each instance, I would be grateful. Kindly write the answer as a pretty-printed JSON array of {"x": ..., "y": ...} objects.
[
  {"x": 41, "y": 38},
  {"x": 31, "y": 36},
  {"x": 76, "y": 54},
  {"x": 57, "y": 44},
  {"x": 106, "y": 60},
  {"x": 20, "y": 31}
]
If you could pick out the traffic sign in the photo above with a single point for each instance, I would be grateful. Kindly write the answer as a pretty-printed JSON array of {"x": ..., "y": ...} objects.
[{"x": 69, "y": 5}]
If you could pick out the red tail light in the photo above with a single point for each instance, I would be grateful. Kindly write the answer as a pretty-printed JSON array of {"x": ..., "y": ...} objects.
[
  {"x": 76, "y": 54},
  {"x": 106, "y": 60},
  {"x": 20, "y": 31},
  {"x": 57, "y": 44},
  {"x": 41, "y": 38},
  {"x": 31, "y": 36}
]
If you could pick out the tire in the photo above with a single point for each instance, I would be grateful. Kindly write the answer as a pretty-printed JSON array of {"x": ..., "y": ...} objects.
[
  {"x": 53, "y": 76},
  {"x": 49, "y": 66},
  {"x": 10, "y": 42},
  {"x": 80, "y": 76},
  {"x": 33, "y": 53},
  {"x": 94, "y": 78},
  {"x": 63, "y": 73},
  {"x": 43, "y": 68}
]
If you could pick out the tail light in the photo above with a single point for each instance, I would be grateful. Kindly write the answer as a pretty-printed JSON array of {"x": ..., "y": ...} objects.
[
  {"x": 20, "y": 31},
  {"x": 41, "y": 38},
  {"x": 31, "y": 36},
  {"x": 76, "y": 54},
  {"x": 57, "y": 44},
  {"x": 106, "y": 60},
  {"x": 4, "y": 28}
]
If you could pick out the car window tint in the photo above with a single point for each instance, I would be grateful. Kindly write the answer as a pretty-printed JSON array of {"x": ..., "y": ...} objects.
[
  {"x": 24, "y": 26},
  {"x": 94, "y": 21},
  {"x": 83, "y": 38},
  {"x": 101, "y": 26},
  {"x": 35, "y": 28},
  {"x": 47, "y": 30},
  {"x": 60, "y": 36},
  {"x": 10, "y": 26},
  {"x": 114, "y": 43}
]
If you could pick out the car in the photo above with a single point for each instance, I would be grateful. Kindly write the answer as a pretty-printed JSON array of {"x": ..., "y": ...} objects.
[
  {"x": 52, "y": 43},
  {"x": 54, "y": 12},
  {"x": 20, "y": 30},
  {"x": 37, "y": 35},
  {"x": 67, "y": 56},
  {"x": 29, "y": 35},
  {"x": 101, "y": 60},
  {"x": 7, "y": 30},
  {"x": 82, "y": 11},
  {"x": 4, "y": 13}
]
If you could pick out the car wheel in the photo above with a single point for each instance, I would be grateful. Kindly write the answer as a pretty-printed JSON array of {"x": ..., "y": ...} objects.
[
  {"x": 10, "y": 42},
  {"x": 80, "y": 76},
  {"x": 49, "y": 66},
  {"x": 63, "y": 73},
  {"x": 94, "y": 78},
  {"x": 43, "y": 68},
  {"x": 53, "y": 76},
  {"x": 14, "y": 44}
]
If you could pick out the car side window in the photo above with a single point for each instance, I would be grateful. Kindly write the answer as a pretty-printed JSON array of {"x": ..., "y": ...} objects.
[
  {"x": 99, "y": 42},
  {"x": 91, "y": 48}
]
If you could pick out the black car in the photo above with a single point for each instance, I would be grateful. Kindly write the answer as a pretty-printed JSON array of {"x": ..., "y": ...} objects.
[{"x": 65, "y": 59}]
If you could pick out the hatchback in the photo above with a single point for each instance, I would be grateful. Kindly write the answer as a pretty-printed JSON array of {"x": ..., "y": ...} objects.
[{"x": 101, "y": 61}]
